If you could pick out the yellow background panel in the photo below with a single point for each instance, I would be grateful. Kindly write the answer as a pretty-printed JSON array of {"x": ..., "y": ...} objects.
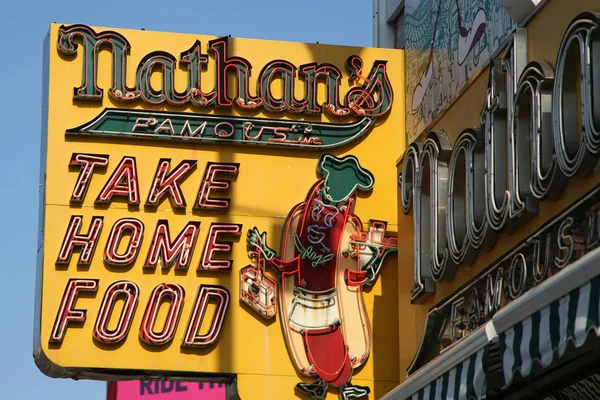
[{"x": 270, "y": 182}]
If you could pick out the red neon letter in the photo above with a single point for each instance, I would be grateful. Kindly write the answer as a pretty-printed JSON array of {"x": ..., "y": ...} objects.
[
  {"x": 130, "y": 294},
  {"x": 241, "y": 68},
  {"x": 213, "y": 245},
  {"x": 165, "y": 182},
  {"x": 167, "y": 252},
  {"x": 66, "y": 311},
  {"x": 86, "y": 164},
  {"x": 209, "y": 182},
  {"x": 192, "y": 337},
  {"x": 87, "y": 243},
  {"x": 123, "y": 182},
  {"x": 163, "y": 291},
  {"x": 136, "y": 227}
]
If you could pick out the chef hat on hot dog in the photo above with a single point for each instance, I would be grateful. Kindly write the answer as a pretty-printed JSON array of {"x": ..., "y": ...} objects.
[{"x": 343, "y": 177}]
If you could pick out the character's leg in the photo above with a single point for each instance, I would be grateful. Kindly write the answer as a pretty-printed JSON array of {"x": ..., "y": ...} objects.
[
  {"x": 421, "y": 88},
  {"x": 316, "y": 390},
  {"x": 350, "y": 391}
]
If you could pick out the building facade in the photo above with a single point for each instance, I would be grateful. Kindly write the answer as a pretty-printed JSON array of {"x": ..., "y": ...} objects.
[{"x": 498, "y": 199}]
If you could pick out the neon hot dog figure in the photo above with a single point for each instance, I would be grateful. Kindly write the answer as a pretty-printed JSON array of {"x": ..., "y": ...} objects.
[{"x": 326, "y": 259}]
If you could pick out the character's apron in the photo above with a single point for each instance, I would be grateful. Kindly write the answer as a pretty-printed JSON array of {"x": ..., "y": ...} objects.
[
  {"x": 313, "y": 310},
  {"x": 316, "y": 316}
]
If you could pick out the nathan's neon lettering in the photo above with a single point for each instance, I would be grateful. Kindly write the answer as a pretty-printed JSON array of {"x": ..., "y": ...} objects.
[
  {"x": 494, "y": 177},
  {"x": 238, "y": 66},
  {"x": 371, "y": 95},
  {"x": 93, "y": 43}
]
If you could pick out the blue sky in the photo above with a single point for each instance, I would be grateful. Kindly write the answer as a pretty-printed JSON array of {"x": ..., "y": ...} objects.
[{"x": 23, "y": 27}]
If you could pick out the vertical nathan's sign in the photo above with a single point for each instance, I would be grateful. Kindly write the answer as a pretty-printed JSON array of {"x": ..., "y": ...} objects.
[{"x": 162, "y": 154}]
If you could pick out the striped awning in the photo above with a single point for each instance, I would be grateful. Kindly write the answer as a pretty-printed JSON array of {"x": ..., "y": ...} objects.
[
  {"x": 466, "y": 381},
  {"x": 547, "y": 332},
  {"x": 459, "y": 373}
]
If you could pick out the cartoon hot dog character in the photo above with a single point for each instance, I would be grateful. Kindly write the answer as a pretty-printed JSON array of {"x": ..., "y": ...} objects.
[{"x": 326, "y": 258}]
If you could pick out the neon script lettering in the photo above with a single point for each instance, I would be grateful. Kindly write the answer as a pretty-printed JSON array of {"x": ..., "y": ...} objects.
[{"x": 371, "y": 98}]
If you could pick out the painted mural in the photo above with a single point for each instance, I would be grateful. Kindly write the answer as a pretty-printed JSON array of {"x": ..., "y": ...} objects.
[{"x": 447, "y": 43}]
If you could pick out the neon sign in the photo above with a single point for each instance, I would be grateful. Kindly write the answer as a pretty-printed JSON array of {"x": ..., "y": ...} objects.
[
  {"x": 123, "y": 248},
  {"x": 371, "y": 96},
  {"x": 325, "y": 261},
  {"x": 142, "y": 256}
]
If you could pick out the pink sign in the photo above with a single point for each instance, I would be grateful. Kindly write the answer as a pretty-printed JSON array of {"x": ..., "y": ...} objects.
[{"x": 169, "y": 390}]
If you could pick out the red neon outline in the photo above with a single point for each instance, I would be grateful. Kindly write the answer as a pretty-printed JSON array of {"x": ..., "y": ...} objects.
[
  {"x": 359, "y": 100},
  {"x": 161, "y": 127},
  {"x": 69, "y": 34},
  {"x": 221, "y": 133},
  {"x": 188, "y": 57},
  {"x": 166, "y": 63},
  {"x": 257, "y": 275},
  {"x": 247, "y": 128},
  {"x": 192, "y": 337},
  {"x": 365, "y": 92},
  {"x": 223, "y": 64},
  {"x": 122, "y": 182},
  {"x": 116, "y": 234},
  {"x": 166, "y": 182},
  {"x": 177, "y": 294},
  {"x": 73, "y": 238},
  {"x": 287, "y": 72},
  {"x": 312, "y": 73},
  {"x": 66, "y": 313},
  {"x": 212, "y": 246},
  {"x": 193, "y": 133},
  {"x": 131, "y": 296},
  {"x": 209, "y": 183},
  {"x": 168, "y": 252},
  {"x": 86, "y": 163}
]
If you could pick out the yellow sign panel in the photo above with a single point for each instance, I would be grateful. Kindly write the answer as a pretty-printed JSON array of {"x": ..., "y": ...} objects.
[{"x": 197, "y": 189}]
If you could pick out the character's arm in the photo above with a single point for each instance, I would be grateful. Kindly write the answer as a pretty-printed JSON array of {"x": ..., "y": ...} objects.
[
  {"x": 355, "y": 278},
  {"x": 369, "y": 271},
  {"x": 377, "y": 246},
  {"x": 287, "y": 267},
  {"x": 258, "y": 243}
]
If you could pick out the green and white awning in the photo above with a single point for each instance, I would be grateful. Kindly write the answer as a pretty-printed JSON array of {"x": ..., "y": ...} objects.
[
  {"x": 466, "y": 381},
  {"x": 549, "y": 330},
  {"x": 537, "y": 327},
  {"x": 459, "y": 373}
]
